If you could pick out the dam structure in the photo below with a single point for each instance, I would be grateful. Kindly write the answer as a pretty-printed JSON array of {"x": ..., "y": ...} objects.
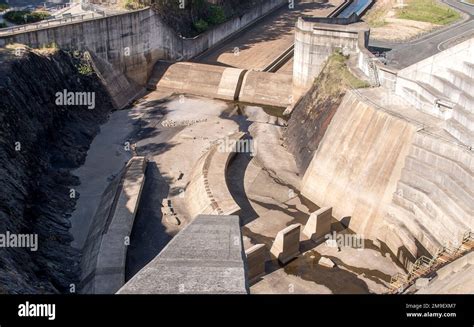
[{"x": 273, "y": 149}]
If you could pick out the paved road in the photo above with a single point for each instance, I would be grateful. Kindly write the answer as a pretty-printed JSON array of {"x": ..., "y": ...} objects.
[{"x": 405, "y": 54}]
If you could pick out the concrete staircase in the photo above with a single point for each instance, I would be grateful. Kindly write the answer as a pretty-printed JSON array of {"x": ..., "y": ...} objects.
[
  {"x": 434, "y": 200},
  {"x": 445, "y": 92}
]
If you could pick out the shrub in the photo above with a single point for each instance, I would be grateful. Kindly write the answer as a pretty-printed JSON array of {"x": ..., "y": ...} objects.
[
  {"x": 3, "y": 6},
  {"x": 201, "y": 25},
  {"x": 25, "y": 17},
  {"x": 216, "y": 15}
]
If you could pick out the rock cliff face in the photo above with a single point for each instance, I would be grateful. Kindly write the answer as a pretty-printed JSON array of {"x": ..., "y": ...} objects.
[{"x": 40, "y": 142}]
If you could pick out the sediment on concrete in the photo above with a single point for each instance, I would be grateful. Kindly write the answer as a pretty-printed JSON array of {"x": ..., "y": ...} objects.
[
  {"x": 207, "y": 192},
  {"x": 104, "y": 253},
  {"x": 206, "y": 257}
]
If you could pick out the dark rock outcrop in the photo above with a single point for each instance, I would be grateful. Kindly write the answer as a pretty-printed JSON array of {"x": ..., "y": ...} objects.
[{"x": 40, "y": 142}]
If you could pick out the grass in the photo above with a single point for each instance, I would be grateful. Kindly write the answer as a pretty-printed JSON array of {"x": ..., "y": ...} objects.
[
  {"x": 429, "y": 11},
  {"x": 376, "y": 17},
  {"x": 336, "y": 76}
]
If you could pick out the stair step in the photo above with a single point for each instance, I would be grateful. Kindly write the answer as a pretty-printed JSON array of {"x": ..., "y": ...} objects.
[
  {"x": 414, "y": 227},
  {"x": 434, "y": 196},
  {"x": 457, "y": 156},
  {"x": 460, "y": 79},
  {"x": 460, "y": 132},
  {"x": 464, "y": 196}
]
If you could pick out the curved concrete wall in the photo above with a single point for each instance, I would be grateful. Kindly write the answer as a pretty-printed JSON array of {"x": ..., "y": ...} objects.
[{"x": 207, "y": 192}]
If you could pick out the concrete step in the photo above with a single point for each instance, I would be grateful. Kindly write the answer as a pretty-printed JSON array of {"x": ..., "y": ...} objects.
[
  {"x": 436, "y": 200},
  {"x": 464, "y": 117},
  {"x": 460, "y": 132},
  {"x": 438, "y": 94},
  {"x": 456, "y": 170},
  {"x": 457, "y": 193},
  {"x": 468, "y": 69},
  {"x": 409, "y": 221},
  {"x": 447, "y": 154},
  {"x": 420, "y": 102},
  {"x": 446, "y": 88},
  {"x": 466, "y": 101},
  {"x": 419, "y": 220},
  {"x": 461, "y": 79}
]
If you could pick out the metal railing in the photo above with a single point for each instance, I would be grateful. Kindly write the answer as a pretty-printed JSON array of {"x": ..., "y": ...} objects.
[{"x": 424, "y": 266}]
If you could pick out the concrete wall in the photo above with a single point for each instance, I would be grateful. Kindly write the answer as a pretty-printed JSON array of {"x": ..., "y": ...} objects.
[
  {"x": 207, "y": 191},
  {"x": 133, "y": 42},
  {"x": 358, "y": 163},
  {"x": 109, "y": 273}
]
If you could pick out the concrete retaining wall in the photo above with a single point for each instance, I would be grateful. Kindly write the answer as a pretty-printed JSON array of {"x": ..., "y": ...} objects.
[
  {"x": 109, "y": 273},
  {"x": 207, "y": 192},
  {"x": 133, "y": 42}
]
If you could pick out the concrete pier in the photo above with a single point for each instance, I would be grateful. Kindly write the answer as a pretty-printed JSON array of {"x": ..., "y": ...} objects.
[
  {"x": 256, "y": 256},
  {"x": 287, "y": 244},
  {"x": 319, "y": 224}
]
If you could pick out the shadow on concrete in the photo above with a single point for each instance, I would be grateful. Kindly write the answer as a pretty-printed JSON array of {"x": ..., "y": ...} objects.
[
  {"x": 270, "y": 28},
  {"x": 148, "y": 235}
]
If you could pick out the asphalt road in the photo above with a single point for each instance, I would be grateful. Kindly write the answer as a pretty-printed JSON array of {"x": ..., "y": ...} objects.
[{"x": 400, "y": 55}]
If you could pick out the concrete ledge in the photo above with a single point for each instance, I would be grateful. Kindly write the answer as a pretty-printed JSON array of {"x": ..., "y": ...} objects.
[
  {"x": 206, "y": 257},
  {"x": 207, "y": 192},
  {"x": 110, "y": 269}
]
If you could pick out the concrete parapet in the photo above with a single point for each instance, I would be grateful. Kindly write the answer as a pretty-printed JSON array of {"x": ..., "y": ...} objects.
[
  {"x": 287, "y": 244},
  {"x": 256, "y": 257},
  {"x": 319, "y": 224},
  {"x": 110, "y": 269},
  {"x": 206, "y": 257},
  {"x": 207, "y": 192}
]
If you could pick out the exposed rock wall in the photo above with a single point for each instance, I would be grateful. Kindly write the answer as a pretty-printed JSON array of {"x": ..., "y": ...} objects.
[{"x": 40, "y": 143}]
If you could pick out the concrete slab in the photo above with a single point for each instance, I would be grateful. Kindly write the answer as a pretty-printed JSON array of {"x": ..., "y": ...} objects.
[{"x": 206, "y": 257}]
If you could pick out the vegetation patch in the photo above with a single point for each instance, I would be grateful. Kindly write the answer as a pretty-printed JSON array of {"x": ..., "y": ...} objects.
[
  {"x": 3, "y": 6},
  {"x": 429, "y": 11},
  {"x": 193, "y": 17},
  {"x": 20, "y": 17}
]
